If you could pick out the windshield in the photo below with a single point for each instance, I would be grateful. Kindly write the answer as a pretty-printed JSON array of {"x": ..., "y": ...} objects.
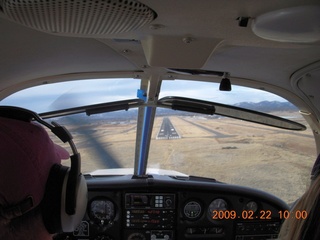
[
  {"x": 57, "y": 96},
  {"x": 229, "y": 150}
]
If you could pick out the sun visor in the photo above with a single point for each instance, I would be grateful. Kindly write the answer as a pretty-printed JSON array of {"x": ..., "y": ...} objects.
[{"x": 178, "y": 52}]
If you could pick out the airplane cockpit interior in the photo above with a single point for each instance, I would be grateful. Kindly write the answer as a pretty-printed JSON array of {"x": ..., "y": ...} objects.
[{"x": 193, "y": 119}]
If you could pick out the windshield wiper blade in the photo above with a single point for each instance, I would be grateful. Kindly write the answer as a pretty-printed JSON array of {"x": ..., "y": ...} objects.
[
  {"x": 95, "y": 108},
  {"x": 188, "y": 105},
  {"x": 113, "y": 106},
  {"x": 207, "y": 107}
]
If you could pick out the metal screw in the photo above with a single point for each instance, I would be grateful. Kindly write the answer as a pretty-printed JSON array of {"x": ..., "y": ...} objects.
[{"x": 187, "y": 40}]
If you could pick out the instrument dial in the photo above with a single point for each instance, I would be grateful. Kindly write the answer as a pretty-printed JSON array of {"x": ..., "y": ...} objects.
[
  {"x": 252, "y": 206},
  {"x": 192, "y": 210},
  {"x": 137, "y": 236},
  {"x": 218, "y": 204},
  {"x": 102, "y": 211}
]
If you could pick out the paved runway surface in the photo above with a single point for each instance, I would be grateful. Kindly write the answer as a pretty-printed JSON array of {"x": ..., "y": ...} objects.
[{"x": 167, "y": 130}]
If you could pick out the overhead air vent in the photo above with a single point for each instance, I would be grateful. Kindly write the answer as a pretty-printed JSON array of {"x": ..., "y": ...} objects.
[{"x": 79, "y": 17}]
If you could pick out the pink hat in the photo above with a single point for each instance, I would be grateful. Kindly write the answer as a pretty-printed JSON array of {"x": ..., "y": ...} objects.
[{"x": 26, "y": 156}]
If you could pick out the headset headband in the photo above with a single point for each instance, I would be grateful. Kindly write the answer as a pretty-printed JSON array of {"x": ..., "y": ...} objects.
[{"x": 64, "y": 135}]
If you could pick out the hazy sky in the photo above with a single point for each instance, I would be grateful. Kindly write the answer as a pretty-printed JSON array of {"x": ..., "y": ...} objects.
[{"x": 70, "y": 94}]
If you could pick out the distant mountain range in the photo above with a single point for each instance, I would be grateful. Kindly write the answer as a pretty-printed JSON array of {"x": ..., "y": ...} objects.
[{"x": 268, "y": 106}]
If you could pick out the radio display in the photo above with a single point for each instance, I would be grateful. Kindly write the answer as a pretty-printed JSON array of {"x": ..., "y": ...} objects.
[{"x": 147, "y": 211}]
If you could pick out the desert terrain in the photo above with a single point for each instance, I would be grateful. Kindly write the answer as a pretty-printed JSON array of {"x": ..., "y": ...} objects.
[{"x": 232, "y": 151}]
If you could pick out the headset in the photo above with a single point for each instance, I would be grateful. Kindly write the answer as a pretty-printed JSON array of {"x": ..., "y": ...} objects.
[{"x": 65, "y": 199}]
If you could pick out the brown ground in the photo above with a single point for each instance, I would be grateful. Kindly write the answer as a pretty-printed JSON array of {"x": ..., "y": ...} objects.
[{"x": 274, "y": 160}]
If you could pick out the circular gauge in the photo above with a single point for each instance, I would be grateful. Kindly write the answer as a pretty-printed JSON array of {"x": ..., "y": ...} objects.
[
  {"x": 215, "y": 206},
  {"x": 102, "y": 211},
  {"x": 136, "y": 236},
  {"x": 252, "y": 206},
  {"x": 192, "y": 210}
]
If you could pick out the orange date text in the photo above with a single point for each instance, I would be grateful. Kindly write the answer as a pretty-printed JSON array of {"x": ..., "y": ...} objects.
[
  {"x": 244, "y": 215},
  {"x": 261, "y": 215}
]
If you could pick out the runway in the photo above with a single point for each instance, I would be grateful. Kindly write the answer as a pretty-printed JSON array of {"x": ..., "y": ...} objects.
[{"x": 167, "y": 130}]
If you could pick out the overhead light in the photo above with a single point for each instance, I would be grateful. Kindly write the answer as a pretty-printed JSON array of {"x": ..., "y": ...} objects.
[
  {"x": 225, "y": 84},
  {"x": 297, "y": 25}
]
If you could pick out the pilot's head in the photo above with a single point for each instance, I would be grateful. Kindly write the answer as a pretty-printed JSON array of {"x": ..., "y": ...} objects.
[{"x": 26, "y": 157}]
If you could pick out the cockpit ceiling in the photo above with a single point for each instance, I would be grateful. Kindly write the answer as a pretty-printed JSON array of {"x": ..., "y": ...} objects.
[
  {"x": 169, "y": 35},
  {"x": 164, "y": 18}
]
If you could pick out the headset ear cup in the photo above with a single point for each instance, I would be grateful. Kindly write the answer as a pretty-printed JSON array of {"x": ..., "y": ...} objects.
[
  {"x": 53, "y": 206},
  {"x": 70, "y": 222},
  {"x": 51, "y": 203}
]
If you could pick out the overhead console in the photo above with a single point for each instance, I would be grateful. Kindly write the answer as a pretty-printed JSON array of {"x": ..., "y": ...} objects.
[{"x": 161, "y": 207}]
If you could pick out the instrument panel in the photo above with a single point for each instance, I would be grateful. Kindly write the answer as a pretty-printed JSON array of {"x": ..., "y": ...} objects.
[{"x": 161, "y": 207}]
